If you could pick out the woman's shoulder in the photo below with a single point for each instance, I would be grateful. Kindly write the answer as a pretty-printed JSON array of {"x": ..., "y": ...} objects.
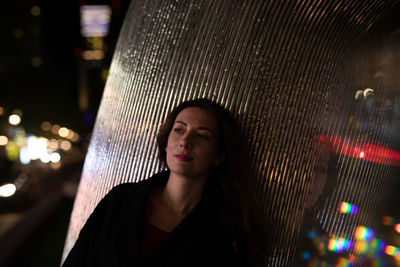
[{"x": 129, "y": 189}]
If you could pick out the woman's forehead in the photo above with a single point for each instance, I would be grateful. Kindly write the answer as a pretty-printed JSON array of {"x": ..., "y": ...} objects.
[{"x": 197, "y": 117}]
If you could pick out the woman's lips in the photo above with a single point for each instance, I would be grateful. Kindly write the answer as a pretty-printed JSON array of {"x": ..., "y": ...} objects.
[{"x": 183, "y": 157}]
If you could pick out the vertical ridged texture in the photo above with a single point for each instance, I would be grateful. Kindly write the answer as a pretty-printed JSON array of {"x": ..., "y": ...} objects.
[{"x": 281, "y": 66}]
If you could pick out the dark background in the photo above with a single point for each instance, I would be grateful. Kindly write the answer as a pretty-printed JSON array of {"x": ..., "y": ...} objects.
[{"x": 42, "y": 72}]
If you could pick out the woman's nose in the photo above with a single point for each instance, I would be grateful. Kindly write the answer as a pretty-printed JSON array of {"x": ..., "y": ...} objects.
[{"x": 185, "y": 141}]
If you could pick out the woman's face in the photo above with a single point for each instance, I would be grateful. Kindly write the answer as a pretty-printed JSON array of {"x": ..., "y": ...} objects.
[
  {"x": 192, "y": 147},
  {"x": 319, "y": 181}
]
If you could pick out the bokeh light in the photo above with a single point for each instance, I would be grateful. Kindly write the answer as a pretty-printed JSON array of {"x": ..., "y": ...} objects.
[
  {"x": 46, "y": 126},
  {"x": 361, "y": 247},
  {"x": 45, "y": 158},
  {"x": 347, "y": 208},
  {"x": 75, "y": 138},
  {"x": 24, "y": 156},
  {"x": 392, "y": 250},
  {"x": 306, "y": 255},
  {"x": 55, "y": 157},
  {"x": 12, "y": 151},
  {"x": 18, "y": 33},
  {"x": 37, "y": 147},
  {"x": 377, "y": 248},
  {"x": 63, "y": 132},
  {"x": 397, "y": 228},
  {"x": 338, "y": 244},
  {"x": 363, "y": 233},
  {"x": 70, "y": 134},
  {"x": 93, "y": 54},
  {"x": 14, "y": 119},
  {"x": 1, "y": 111},
  {"x": 55, "y": 165},
  {"x": 7, "y": 190},
  {"x": 343, "y": 262},
  {"x": 388, "y": 221},
  {"x": 65, "y": 145},
  {"x": 36, "y": 61},
  {"x": 55, "y": 128},
  {"x": 372, "y": 249},
  {"x": 35, "y": 11},
  {"x": 3, "y": 140},
  {"x": 52, "y": 144}
]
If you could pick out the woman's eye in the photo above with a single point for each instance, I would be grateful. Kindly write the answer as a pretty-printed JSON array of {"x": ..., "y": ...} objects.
[
  {"x": 203, "y": 136},
  {"x": 178, "y": 130}
]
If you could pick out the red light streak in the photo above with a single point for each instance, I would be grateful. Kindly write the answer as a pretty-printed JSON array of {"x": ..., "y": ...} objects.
[{"x": 365, "y": 151}]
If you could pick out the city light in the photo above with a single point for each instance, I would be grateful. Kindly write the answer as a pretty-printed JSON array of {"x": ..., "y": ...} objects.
[
  {"x": 55, "y": 128},
  {"x": 12, "y": 151},
  {"x": 65, "y": 145},
  {"x": 45, "y": 158},
  {"x": 3, "y": 140},
  {"x": 70, "y": 134},
  {"x": 95, "y": 20},
  {"x": 35, "y": 11},
  {"x": 55, "y": 157},
  {"x": 24, "y": 156},
  {"x": 14, "y": 119},
  {"x": 347, "y": 208},
  {"x": 63, "y": 132},
  {"x": 37, "y": 146},
  {"x": 93, "y": 54},
  {"x": 46, "y": 126},
  {"x": 7, "y": 190},
  {"x": 52, "y": 144},
  {"x": 75, "y": 138}
]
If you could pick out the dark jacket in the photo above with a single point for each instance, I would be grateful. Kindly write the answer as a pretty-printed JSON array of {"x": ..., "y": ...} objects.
[{"x": 113, "y": 234}]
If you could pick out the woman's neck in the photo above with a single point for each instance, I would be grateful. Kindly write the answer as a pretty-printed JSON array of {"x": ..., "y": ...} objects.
[{"x": 182, "y": 193}]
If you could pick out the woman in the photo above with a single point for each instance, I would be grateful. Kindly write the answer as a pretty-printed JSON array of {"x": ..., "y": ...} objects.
[
  {"x": 197, "y": 213},
  {"x": 313, "y": 240}
]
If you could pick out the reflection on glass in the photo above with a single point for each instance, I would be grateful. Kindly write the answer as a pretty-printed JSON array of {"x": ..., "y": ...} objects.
[{"x": 347, "y": 208}]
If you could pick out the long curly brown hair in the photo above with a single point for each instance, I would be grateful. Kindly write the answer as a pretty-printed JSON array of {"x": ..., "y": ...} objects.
[{"x": 231, "y": 179}]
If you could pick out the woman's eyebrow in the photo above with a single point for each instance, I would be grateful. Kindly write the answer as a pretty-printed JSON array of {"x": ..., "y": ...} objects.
[
  {"x": 181, "y": 122},
  {"x": 200, "y": 128}
]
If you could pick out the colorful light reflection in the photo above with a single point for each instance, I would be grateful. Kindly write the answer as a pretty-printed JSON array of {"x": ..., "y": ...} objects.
[
  {"x": 392, "y": 250},
  {"x": 388, "y": 221},
  {"x": 338, "y": 244},
  {"x": 347, "y": 208},
  {"x": 397, "y": 228},
  {"x": 343, "y": 262},
  {"x": 363, "y": 233}
]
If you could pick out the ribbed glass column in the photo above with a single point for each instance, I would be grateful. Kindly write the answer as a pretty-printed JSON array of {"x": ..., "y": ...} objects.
[{"x": 289, "y": 70}]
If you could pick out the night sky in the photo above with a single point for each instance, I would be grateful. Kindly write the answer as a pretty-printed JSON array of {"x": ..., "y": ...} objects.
[{"x": 39, "y": 56}]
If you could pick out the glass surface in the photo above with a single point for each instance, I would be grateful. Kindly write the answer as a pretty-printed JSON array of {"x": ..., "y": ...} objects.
[{"x": 315, "y": 85}]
